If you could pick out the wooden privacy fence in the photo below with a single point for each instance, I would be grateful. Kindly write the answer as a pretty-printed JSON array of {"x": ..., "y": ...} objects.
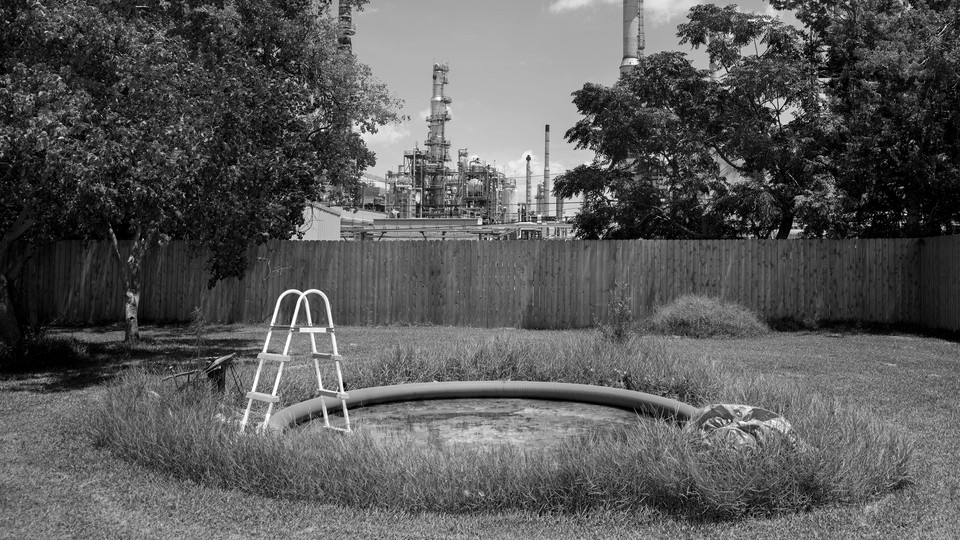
[{"x": 529, "y": 284}]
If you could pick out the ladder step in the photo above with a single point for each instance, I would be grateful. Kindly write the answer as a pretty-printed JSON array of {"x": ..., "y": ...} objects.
[
  {"x": 260, "y": 396},
  {"x": 332, "y": 393},
  {"x": 305, "y": 329},
  {"x": 328, "y": 356},
  {"x": 274, "y": 357},
  {"x": 315, "y": 329}
]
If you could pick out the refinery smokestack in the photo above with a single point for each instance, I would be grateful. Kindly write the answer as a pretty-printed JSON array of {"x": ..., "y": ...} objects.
[
  {"x": 546, "y": 171},
  {"x": 526, "y": 213},
  {"x": 347, "y": 30},
  {"x": 633, "y": 39}
]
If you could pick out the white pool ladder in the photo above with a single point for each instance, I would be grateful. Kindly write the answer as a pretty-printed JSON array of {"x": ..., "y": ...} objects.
[{"x": 282, "y": 358}]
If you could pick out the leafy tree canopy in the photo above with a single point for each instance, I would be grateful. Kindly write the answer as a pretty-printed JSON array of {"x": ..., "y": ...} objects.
[
  {"x": 208, "y": 120},
  {"x": 653, "y": 169},
  {"x": 213, "y": 121},
  {"x": 844, "y": 125}
]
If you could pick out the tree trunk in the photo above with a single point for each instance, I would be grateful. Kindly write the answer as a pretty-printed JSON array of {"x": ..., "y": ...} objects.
[
  {"x": 786, "y": 224},
  {"x": 131, "y": 307},
  {"x": 130, "y": 269},
  {"x": 9, "y": 327}
]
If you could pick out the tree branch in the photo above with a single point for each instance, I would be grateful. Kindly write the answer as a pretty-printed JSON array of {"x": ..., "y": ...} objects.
[
  {"x": 19, "y": 227},
  {"x": 116, "y": 251},
  {"x": 725, "y": 159}
]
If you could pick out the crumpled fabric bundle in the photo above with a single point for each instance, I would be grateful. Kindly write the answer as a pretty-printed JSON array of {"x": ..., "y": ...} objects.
[{"x": 739, "y": 426}]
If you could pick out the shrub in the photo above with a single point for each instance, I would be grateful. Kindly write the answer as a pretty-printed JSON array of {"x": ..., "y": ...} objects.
[{"x": 703, "y": 317}]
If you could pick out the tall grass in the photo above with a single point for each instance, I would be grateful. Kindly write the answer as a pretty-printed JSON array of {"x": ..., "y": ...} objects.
[
  {"x": 703, "y": 317},
  {"x": 847, "y": 456},
  {"x": 638, "y": 364},
  {"x": 620, "y": 324}
]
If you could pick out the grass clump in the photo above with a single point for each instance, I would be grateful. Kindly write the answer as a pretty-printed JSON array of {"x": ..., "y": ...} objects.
[
  {"x": 848, "y": 458},
  {"x": 704, "y": 317}
]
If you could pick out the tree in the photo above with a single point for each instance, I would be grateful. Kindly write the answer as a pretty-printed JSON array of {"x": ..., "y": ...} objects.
[
  {"x": 733, "y": 151},
  {"x": 208, "y": 121},
  {"x": 654, "y": 175},
  {"x": 769, "y": 120},
  {"x": 894, "y": 71}
]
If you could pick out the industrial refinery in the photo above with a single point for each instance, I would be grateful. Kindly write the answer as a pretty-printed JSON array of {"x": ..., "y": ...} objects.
[
  {"x": 428, "y": 183},
  {"x": 434, "y": 181}
]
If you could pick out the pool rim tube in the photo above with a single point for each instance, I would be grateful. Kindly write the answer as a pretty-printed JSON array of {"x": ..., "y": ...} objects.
[{"x": 639, "y": 402}]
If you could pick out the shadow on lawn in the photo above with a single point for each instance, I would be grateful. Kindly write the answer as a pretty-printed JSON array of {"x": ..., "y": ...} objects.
[
  {"x": 840, "y": 328},
  {"x": 60, "y": 364}
]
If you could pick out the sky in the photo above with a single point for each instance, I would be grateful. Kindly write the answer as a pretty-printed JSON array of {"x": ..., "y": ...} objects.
[{"x": 513, "y": 66}]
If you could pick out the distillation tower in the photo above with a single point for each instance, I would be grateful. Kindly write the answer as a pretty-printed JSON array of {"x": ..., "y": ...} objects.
[
  {"x": 426, "y": 185},
  {"x": 435, "y": 170}
]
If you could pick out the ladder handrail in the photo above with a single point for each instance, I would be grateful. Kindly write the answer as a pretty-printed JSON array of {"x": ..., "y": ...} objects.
[
  {"x": 304, "y": 301},
  {"x": 336, "y": 353},
  {"x": 329, "y": 313},
  {"x": 273, "y": 319}
]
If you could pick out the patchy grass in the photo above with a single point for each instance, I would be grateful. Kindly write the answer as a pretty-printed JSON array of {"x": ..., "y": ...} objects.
[
  {"x": 57, "y": 485},
  {"x": 703, "y": 317}
]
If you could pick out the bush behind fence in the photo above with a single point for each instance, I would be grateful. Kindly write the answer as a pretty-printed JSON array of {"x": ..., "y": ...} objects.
[{"x": 529, "y": 284}]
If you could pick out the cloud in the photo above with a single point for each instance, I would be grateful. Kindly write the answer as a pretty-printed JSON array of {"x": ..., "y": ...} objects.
[
  {"x": 665, "y": 10},
  {"x": 423, "y": 114},
  {"x": 520, "y": 165},
  {"x": 659, "y": 11},
  {"x": 559, "y": 6},
  {"x": 518, "y": 168},
  {"x": 388, "y": 135}
]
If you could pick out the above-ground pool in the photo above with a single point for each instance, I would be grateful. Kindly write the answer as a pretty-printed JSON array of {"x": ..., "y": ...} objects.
[{"x": 490, "y": 412}]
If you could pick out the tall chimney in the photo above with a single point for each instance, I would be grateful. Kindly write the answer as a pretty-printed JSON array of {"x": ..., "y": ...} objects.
[
  {"x": 529, "y": 188},
  {"x": 347, "y": 30},
  {"x": 546, "y": 171},
  {"x": 633, "y": 38}
]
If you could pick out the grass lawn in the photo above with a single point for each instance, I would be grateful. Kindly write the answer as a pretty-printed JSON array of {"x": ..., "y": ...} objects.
[{"x": 54, "y": 484}]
